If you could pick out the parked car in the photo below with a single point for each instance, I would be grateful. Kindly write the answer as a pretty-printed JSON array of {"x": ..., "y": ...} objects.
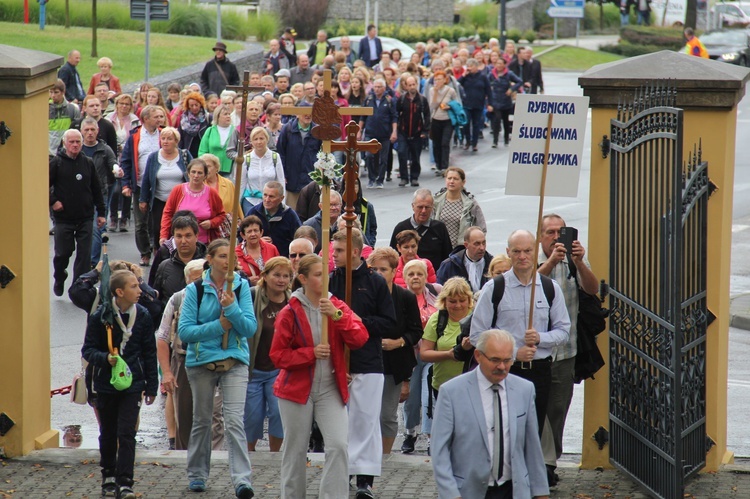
[
  {"x": 388, "y": 44},
  {"x": 728, "y": 45},
  {"x": 732, "y": 14}
]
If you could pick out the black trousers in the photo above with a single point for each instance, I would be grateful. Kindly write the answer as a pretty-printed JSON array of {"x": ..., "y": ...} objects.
[
  {"x": 409, "y": 149},
  {"x": 118, "y": 414},
  {"x": 473, "y": 126},
  {"x": 503, "y": 115},
  {"x": 157, "y": 208},
  {"x": 70, "y": 237},
  {"x": 440, "y": 132},
  {"x": 541, "y": 375},
  {"x": 504, "y": 491},
  {"x": 118, "y": 201}
]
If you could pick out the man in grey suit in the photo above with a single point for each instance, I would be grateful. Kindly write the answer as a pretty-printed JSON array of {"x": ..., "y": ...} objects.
[{"x": 470, "y": 459}]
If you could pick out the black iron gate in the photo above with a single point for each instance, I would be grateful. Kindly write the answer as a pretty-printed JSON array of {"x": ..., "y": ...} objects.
[{"x": 657, "y": 286}]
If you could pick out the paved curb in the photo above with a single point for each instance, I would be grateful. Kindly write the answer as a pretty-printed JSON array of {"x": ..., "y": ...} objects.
[
  {"x": 64, "y": 456},
  {"x": 739, "y": 311}
]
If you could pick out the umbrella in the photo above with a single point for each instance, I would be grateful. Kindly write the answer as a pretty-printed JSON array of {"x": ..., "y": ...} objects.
[{"x": 105, "y": 295}]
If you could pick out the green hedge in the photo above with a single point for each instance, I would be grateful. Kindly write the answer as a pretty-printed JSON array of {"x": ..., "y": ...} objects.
[
  {"x": 184, "y": 19},
  {"x": 665, "y": 38},
  {"x": 630, "y": 50},
  {"x": 412, "y": 33}
]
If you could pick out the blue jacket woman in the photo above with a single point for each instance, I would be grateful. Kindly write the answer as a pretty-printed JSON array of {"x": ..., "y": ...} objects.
[
  {"x": 201, "y": 328},
  {"x": 208, "y": 313},
  {"x": 500, "y": 81}
]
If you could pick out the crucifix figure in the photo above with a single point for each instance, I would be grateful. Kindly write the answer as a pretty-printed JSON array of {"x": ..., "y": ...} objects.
[
  {"x": 244, "y": 89},
  {"x": 327, "y": 127},
  {"x": 351, "y": 173}
]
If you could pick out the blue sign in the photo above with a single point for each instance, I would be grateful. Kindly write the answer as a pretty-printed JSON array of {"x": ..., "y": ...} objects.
[{"x": 566, "y": 8}]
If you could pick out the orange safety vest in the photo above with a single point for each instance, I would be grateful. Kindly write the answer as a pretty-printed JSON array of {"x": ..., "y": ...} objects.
[{"x": 696, "y": 48}]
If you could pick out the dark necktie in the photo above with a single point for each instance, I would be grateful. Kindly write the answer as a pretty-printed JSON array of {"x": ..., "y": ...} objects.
[{"x": 498, "y": 444}]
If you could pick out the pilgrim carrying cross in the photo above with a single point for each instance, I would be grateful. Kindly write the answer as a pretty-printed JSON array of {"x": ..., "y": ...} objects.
[
  {"x": 244, "y": 89},
  {"x": 325, "y": 114}
]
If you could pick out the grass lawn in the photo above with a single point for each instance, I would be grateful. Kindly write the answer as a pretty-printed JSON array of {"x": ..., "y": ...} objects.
[
  {"x": 575, "y": 58},
  {"x": 125, "y": 48}
]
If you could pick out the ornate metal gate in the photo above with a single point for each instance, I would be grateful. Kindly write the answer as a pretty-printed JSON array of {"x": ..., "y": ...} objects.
[{"x": 657, "y": 285}]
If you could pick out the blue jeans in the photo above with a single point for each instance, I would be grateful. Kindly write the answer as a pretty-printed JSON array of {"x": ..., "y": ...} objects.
[
  {"x": 644, "y": 17},
  {"x": 260, "y": 401},
  {"x": 418, "y": 399},
  {"x": 233, "y": 385}
]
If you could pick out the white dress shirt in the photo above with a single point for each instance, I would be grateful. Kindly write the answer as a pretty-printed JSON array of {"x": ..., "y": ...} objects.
[{"x": 486, "y": 393}]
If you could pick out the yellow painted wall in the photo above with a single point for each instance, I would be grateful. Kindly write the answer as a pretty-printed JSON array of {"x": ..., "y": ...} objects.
[
  {"x": 716, "y": 131},
  {"x": 24, "y": 303}
]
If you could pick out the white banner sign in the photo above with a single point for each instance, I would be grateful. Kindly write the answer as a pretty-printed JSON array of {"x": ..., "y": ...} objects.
[{"x": 566, "y": 145}]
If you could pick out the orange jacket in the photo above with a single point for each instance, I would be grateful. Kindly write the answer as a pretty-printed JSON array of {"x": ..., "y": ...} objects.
[{"x": 696, "y": 48}]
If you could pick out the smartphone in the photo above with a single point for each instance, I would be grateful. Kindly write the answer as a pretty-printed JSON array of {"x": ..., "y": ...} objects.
[{"x": 567, "y": 236}]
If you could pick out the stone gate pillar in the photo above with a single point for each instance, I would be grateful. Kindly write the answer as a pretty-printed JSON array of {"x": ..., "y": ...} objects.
[
  {"x": 708, "y": 92},
  {"x": 25, "y": 78}
]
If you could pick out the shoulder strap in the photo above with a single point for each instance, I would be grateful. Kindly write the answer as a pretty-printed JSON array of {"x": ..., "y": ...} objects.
[
  {"x": 497, "y": 296},
  {"x": 442, "y": 323},
  {"x": 549, "y": 289},
  {"x": 198, "y": 292},
  {"x": 549, "y": 293},
  {"x": 221, "y": 71}
]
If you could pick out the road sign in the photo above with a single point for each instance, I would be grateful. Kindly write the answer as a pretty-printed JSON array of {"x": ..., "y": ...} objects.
[
  {"x": 566, "y": 8},
  {"x": 159, "y": 10}
]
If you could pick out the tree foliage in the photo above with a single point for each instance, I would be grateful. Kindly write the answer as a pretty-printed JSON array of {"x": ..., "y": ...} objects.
[{"x": 306, "y": 16}]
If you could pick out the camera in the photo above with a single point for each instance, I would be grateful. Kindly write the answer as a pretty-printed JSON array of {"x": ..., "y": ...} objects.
[{"x": 567, "y": 236}]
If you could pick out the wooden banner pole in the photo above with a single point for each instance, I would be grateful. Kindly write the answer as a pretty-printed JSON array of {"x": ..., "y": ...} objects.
[{"x": 539, "y": 221}]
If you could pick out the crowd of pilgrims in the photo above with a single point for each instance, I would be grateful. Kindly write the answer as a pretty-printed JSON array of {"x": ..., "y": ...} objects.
[{"x": 276, "y": 376}]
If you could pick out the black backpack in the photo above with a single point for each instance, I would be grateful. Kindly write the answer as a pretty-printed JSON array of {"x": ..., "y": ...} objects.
[{"x": 589, "y": 323}]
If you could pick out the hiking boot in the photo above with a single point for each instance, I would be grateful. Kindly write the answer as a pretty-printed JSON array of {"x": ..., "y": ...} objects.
[
  {"x": 244, "y": 491},
  {"x": 364, "y": 492},
  {"x": 109, "y": 487},
  {"x": 125, "y": 492}
]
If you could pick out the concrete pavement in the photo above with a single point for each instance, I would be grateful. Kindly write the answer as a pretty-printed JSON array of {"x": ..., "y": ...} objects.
[{"x": 63, "y": 473}]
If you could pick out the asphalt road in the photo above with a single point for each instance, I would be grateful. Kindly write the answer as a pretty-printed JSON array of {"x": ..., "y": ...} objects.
[{"x": 486, "y": 172}]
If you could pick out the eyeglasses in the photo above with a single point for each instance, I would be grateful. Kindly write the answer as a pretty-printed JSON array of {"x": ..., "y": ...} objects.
[
  {"x": 495, "y": 360},
  {"x": 296, "y": 255}
]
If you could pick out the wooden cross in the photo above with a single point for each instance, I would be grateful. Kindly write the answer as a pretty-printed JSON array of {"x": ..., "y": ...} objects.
[
  {"x": 327, "y": 127},
  {"x": 244, "y": 89},
  {"x": 351, "y": 173}
]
